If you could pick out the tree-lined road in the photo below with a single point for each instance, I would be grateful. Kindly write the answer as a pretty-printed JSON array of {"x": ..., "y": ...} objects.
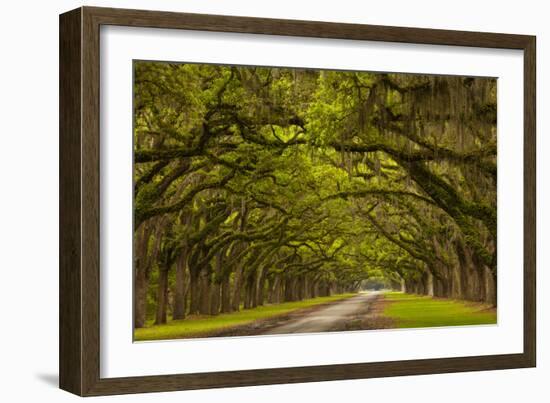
[{"x": 261, "y": 186}]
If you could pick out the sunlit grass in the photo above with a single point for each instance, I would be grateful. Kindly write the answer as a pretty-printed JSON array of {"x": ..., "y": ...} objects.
[
  {"x": 194, "y": 326},
  {"x": 423, "y": 311}
]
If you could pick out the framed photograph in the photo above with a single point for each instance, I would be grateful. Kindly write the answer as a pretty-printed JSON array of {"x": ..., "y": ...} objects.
[{"x": 248, "y": 201}]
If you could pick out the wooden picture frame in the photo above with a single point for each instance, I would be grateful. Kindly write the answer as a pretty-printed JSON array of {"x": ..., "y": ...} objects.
[{"x": 79, "y": 346}]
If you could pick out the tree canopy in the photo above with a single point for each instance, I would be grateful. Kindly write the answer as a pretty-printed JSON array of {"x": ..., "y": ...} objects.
[{"x": 256, "y": 184}]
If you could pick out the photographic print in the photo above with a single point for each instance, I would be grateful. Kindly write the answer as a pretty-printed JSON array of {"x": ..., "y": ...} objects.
[
  {"x": 274, "y": 200},
  {"x": 228, "y": 184}
]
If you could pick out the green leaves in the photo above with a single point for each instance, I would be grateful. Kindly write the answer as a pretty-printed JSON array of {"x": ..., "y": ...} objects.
[{"x": 362, "y": 174}]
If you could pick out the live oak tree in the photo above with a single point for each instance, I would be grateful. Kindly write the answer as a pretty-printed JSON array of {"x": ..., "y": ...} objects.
[{"x": 261, "y": 185}]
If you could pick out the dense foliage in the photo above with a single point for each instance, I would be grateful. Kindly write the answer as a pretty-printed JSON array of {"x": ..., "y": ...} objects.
[{"x": 257, "y": 185}]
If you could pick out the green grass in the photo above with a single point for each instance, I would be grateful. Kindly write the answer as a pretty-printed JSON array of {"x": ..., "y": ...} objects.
[
  {"x": 423, "y": 311},
  {"x": 202, "y": 325}
]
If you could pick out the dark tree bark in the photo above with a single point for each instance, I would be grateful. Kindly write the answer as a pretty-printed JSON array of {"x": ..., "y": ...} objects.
[
  {"x": 141, "y": 241},
  {"x": 204, "y": 281},
  {"x": 180, "y": 286},
  {"x": 145, "y": 259},
  {"x": 194, "y": 291},
  {"x": 140, "y": 297},
  {"x": 237, "y": 289},
  {"x": 226, "y": 294},
  {"x": 260, "y": 294},
  {"x": 162, "y": 297}
]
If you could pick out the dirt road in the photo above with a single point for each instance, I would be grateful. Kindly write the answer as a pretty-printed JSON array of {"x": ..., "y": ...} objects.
[{"x": 329, "y": 318}]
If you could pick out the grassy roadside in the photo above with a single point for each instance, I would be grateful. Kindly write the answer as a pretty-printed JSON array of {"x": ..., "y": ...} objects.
[
  {"x": 408, "y": 311},
  {"x": 194, "y": 326}
]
